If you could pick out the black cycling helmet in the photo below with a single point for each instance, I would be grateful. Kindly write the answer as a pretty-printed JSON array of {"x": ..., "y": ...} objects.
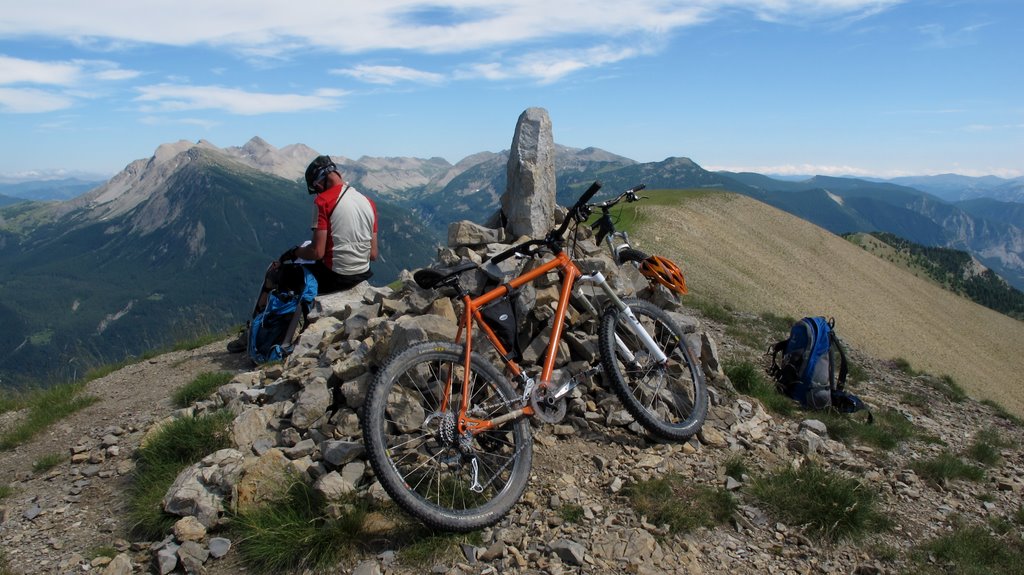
[{"x": 317, "y": 170}]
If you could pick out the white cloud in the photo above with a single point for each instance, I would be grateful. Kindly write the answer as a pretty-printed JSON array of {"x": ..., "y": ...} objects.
[
  {"x": 390, "y": 75},
  {"x": 74, "y": 72},
  {"x": 178, "y": 98},
  {"x": 19, "y": 71},
  {"x": 32, "y": 101},
  {"x": 267, "y": 27}
]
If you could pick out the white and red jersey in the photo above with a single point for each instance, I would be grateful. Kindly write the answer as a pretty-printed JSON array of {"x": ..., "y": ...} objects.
[{"x": 350, "y": 219}]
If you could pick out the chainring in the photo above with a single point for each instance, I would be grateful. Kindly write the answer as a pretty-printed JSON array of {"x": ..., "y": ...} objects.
[{"x": 546, "y": 408}]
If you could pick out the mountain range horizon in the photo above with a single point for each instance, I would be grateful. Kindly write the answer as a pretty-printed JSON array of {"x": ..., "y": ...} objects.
[
  {"x": 947, "y": 178},
  {"x": 176, "y": 240}
]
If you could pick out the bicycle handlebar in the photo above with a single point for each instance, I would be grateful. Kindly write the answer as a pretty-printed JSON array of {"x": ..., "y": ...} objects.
[
  {"x": 554, "y": 236},
  {"x": 575, "y": 210},
  {"x": 629, "y": 195}
]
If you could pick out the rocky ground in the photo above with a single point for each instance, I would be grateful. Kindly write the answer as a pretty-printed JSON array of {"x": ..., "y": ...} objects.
[{"x": 67, "y": 520}]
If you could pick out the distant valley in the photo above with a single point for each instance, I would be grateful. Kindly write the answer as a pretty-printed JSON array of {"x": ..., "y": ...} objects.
[{"x": 174, "y": 245}]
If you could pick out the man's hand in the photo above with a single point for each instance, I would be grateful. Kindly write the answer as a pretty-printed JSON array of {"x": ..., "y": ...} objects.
[{"x": 288, "y": 255}]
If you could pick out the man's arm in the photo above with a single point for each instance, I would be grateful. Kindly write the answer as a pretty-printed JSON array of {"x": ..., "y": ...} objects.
[
  {"x": 373, "y": 247},
  {"x": 316, "y": 250}
]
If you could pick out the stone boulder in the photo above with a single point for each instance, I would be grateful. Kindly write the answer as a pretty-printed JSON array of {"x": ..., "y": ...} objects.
[{"x": 528, "y": 203}]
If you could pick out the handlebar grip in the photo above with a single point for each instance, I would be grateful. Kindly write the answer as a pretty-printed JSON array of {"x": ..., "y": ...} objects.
[
  {"x": 522, "y": 248},
  {"x": 504, "y": 255},
  {"x": 591, "y": 191},
  {"x": 637, "y": 188}
]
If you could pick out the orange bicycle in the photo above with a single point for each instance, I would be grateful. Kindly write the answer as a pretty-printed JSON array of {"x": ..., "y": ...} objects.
[{"x": 447, "y": 434}]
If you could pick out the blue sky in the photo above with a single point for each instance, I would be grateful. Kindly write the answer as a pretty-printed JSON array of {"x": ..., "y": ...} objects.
[{"x": 840, "y": 87}]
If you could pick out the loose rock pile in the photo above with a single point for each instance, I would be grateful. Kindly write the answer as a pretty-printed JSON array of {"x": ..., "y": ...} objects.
[{"x": 300, "y": 419}]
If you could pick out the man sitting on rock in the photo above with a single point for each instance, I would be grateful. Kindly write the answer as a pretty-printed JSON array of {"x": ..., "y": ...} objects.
[{"x": 344, "y": 238}]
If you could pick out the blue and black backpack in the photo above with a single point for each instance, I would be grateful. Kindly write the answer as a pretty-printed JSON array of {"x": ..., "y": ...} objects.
[
  {"x": 273, "y": 327},
  {"x": 808, "y": 372}
]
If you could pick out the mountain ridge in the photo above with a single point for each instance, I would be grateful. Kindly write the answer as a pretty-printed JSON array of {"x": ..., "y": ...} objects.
[{"x": 148, "y": 201}]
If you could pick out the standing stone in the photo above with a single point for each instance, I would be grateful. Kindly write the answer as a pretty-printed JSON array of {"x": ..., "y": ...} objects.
[{"x": 529, "y": 199}]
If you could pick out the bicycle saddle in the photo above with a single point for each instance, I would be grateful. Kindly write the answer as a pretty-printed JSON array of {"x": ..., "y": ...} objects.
[{"x": 431, "y": 278}]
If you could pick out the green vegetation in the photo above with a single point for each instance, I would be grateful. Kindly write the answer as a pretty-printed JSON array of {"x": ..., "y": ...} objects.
[
  {"x": 45, "y": 407},
  {"x": 830, "y": 505},
  {"x": 105, "y": 551},
  {"x": 902, "y": 364},
  {"x": 986, "y": 445},
  {"x": 294, "y": 533},
  {"x": 48, "y": 462},
  {"x": 736, "y": 466},
  {"x": 170, "y": 450},
  {"x": 1002, "y": 412},
  {"x": 948, "y": 387},
  {"x": 946, "y": 467},
  {"x": 749, "y": 379},
  {"x": 947, "y": 268},
  {"x": 887, "y": 431},
  {"x": 676, "y": 501},
  {"x": 200, "y": 388},
  {"x": 571, "y": 512},
  {"x": 970, "y": 550},
  {"x": 6, "y": 491},
  {"x": 428, "y": 549},
  {"x": 710, "y": 309}
]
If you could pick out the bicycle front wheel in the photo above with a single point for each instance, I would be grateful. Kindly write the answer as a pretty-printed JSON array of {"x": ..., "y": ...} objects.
[
  {"x": 446, "y": 480},
  {"x": 669, "y": 399}
]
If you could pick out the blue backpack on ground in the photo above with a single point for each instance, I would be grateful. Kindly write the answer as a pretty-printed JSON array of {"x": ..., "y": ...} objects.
[
  {"x": 273, "y": 327},
  {"x": 808, "y": 371}
]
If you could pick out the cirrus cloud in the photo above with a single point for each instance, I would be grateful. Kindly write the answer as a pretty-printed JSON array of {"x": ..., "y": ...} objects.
[{"x": 178, "y": 98}]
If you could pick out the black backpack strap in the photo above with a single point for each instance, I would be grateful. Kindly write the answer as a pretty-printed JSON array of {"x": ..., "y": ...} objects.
[
  {"x": 843, "y": 367},
  {"x": 774, "y": 350}
]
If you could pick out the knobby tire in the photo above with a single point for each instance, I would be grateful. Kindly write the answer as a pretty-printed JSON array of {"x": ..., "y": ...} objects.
[
  {"x": 668, "y": 400},
  {"x": 417, "y": 458}
]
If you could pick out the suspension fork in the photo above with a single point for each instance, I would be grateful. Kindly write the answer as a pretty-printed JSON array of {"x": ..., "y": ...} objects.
[{"x": 631, "y": 321}]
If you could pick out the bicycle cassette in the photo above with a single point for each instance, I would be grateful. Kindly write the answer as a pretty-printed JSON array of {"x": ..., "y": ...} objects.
[{"x": 545, "y": 406}]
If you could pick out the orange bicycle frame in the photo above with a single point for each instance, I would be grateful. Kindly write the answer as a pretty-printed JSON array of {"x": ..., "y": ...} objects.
[{"x": 471, "y": 313}]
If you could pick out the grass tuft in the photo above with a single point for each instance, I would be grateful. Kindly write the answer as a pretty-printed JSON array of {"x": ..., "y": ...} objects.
[
  {"x": 948, "y": 387},
  {"x": 1003, "y": 413},
  {"x": 826, "y": 503},
  {"x": 970, "y": 551},
  {"x": 427, "y": 550},
  {"x": 986, "y": 446},
  {"x": 571, "y": 512},
  {"x": 674, "y": 500},
  {"x": 200, "y": 388},
  {"x": 750, "y": 380},
  {"x": 6, "y": 491},
  {"x": 47, "y": 462},
  {"x": 736, "y": 466},
  {"x": 46, "y": 407},
  {"x": 946, "y": 467},
  {"x": 173, "y": 448},
  {"x": 294, "y": 534},
  {"x": 887, "y": 431},
  {"x": 711, "y": 310}
]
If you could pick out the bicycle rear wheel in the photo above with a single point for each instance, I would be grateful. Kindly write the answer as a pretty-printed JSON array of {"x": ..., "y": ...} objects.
[
  {"x": 669, "y": 399},
  {"x": 447, "y": 481}
]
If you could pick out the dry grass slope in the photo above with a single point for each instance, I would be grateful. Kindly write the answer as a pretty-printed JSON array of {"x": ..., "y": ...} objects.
[{"x": 753, "y": 257}]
